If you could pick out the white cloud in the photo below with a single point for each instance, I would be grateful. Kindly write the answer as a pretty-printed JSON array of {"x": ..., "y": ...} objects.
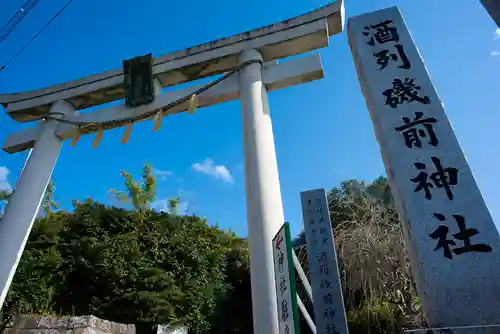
[
  {"x": 162, "y": 174},
  {"x": 218, "y": 171},
  {"x": 4, "y": 182},
  {"x": 496, "y": 34},
  {"x": 494, "y": 53}
]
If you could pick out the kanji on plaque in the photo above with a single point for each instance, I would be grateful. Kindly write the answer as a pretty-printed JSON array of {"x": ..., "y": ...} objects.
[
  {"x": 398, "y": 56},
  {"x": 464, "y": 235},
  {"x": 328, "y": 298},
  {"x": 404, "y": 91},
  {"x": 442, "y": 178},
  {"x": 413, "y": 130},
  {"x": 284, "y": 310},
  {"x": 329, "y": 313},
  {"x": 321, "y": 257},
  {"x": 283, "y": 287},
  {"x": 325, "y": 284},
  {"x": 381, "y": 33},
  {"x": 281, "y": 258},
  {"x": 330, "y": 329},
  {"x": 323, "y": 269}
]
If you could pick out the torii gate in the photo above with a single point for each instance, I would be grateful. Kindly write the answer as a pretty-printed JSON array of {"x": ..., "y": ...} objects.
[{"x": 250, "y": 58}]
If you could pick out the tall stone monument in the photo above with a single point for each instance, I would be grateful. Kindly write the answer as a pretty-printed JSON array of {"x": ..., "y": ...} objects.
[{"x": 452, "y": 240}]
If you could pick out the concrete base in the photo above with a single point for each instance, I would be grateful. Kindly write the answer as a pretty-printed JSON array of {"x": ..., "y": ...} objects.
[{"x": 489, "y": 329}]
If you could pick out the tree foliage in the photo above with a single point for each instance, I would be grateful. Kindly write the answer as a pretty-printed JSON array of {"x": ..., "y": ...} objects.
[
  {"x": 134, "y": 267},
  {"x": 139, "y": 193},
  {"x": 143, "y": 267},
  {"x": 4, "y": 197},
  {"x": 48, "y": 203}
]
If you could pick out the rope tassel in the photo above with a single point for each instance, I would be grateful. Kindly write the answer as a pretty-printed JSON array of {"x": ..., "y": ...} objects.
[
  {"x": 98, "y": 138},
  {"x": 158, "y": 119},
  {"x": 126, "y": 134},
  {"x": 193, "y": 103},
  {"x": 76, "y": 138}
]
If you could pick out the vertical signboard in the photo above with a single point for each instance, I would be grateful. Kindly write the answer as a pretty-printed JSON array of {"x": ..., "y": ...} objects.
[
  {"x": 452, "y": 240},
  {"x": 329, "y": 313},
  {"x": 284, "y": 274}
]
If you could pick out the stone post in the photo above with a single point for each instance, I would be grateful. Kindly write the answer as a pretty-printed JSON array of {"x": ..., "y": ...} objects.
[
  {"x": 452, "y": 240},
  {"x": 329, "y": 313}
]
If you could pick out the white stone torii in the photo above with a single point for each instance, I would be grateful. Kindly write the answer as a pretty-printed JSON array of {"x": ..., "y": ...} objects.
[{"x": 263, "y": 197}]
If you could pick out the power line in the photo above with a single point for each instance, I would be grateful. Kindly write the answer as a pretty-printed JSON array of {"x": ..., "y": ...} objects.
[
  {"x": 16, "y": 19},
  {"x": 36, "y": 35}
]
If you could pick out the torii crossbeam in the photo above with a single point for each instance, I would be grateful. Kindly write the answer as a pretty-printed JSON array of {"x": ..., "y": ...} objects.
[{"x": 251, "y": 55}]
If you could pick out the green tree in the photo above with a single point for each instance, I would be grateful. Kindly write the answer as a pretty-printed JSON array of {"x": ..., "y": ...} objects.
[
  {"x": 4, "y": 196},
  {"x": 141, "y": 193},
  {"x": 143, "y": 269},
  {"x": 153, "y": 267},
  {"x": 173, "y": 204},
  {"x": 48, "y": 202}
]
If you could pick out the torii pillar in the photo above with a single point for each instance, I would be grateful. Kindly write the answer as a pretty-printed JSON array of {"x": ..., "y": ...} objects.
[
  {"x": 263, "y": 194},
  {"x": 259, "y": 51},
  {"x": 26, "y": 199}
]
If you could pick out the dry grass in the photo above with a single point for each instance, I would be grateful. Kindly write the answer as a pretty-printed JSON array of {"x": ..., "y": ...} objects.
[{"x": 375, "y": 272}]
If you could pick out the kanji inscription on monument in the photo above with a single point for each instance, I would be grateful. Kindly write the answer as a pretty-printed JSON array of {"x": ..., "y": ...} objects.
[
  {"x": 452, "y": 240},
  {"x": 329, "y": 313}
]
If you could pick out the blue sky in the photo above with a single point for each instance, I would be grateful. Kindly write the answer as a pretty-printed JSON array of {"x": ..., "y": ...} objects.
[{"x": 322, "y": 129}]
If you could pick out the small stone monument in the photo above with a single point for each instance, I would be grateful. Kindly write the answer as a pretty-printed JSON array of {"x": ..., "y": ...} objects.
[
  {"x": 452, "y": 241},
  {"x": 329, "y": 313}
]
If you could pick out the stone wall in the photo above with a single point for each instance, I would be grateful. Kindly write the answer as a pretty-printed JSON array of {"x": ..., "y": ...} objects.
[{"x": 67, "y": 325}]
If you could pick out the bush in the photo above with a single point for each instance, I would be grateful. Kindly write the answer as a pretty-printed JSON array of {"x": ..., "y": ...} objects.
[
  {"x": 137, "y": 267},
  {"x": 151, "y": 268}
]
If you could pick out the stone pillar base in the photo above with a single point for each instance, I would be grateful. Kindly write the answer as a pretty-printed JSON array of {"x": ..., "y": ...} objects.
[
  {"x": 26, "y": 324},
  {"x": 487, "y": 329}
]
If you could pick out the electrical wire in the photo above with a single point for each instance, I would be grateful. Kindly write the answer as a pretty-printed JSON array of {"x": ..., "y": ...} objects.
[
  {"x": 16, "y": 19},
  {"x": 36, "y": 35},
  {"x": 124, "y": 121}
]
